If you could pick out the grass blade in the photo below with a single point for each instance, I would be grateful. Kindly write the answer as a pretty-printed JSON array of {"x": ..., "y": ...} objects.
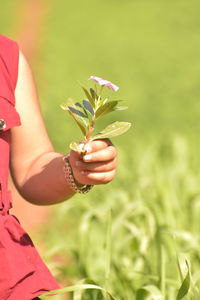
[
  {"x": 108, "y": 249},
  {"x": 78, "y": 287},
  {"x": 185, "y": 286},
  {"x": 149, "y": 290}
]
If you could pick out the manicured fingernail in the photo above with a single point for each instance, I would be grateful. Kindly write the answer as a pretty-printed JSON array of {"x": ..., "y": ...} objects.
[
  {"x": 88, "y": 148},
  {"x": 87, "y": 157}
]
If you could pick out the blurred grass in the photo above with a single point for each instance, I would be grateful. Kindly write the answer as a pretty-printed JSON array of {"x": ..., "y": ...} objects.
[
  {"x": 151, "y": 49},
  {"x": 155, "y": 220},
  {"x": 8, "y": 16}
]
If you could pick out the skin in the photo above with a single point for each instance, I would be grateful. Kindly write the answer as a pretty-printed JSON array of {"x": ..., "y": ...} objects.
[{"x": 36, "y": 168}]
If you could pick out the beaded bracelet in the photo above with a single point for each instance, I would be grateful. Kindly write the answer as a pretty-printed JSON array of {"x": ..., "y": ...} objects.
[{"x": 69, "y": 176}]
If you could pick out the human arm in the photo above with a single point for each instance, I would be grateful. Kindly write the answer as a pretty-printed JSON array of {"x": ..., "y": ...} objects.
[{"x": 36, "y": 168}]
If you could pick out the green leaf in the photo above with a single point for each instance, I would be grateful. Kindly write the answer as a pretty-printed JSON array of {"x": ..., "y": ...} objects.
[
  {"x": 73, "y": 107},
  {"x": 184, "y": 288},
  {"x": 93, "y": 94},
  {"x": 88, "y": 96},
  {"x": 88, "y": 107},
  {"x": 105, "y": 100},
  {"x": 182, "y": 261},
  {"x": 70, "y": 102},
  {"x": 74, "y": 288},
  {"x": 78, "y": 295},
  {"x": 64, "y": 106},
  {"x": 149, "y": 291},
  {"x": 81, "y": 122},
  {"x": 112, "y": 130},
  {"x": 78, "y": 147},
  {"x": 79, "y": 105},
  {"x": 77, "y": 112},
  {"x": 105, "y": 109}
]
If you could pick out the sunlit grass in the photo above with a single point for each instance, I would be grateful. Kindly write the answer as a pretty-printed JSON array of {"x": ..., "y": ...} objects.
[
  {"x": 154, "y": 225},
  {"x": 151, "y": 50},
  {"x": 138, "y": 237}
]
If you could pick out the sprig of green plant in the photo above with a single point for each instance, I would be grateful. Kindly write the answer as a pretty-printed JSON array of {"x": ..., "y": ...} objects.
[{"x": 91, "y": 109}]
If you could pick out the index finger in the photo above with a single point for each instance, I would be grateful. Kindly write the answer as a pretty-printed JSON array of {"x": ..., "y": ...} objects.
[{"x": 97, "y": 145}]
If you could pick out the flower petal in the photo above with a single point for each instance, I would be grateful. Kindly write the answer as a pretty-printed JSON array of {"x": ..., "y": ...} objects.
[
  {"x": 104, "y": 82},
  {"x": 112, "y": 86}
]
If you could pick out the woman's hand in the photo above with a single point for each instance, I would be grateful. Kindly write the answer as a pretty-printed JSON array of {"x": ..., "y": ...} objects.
[
  {"x": 36, "y": 168},
  {"x": 97, "y": 166}
]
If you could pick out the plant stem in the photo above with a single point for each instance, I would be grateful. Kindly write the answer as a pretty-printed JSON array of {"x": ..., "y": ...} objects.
[
  {"x": 90, "y": 129},
  {"x": 88, "y": 136},
  {"x": 101, "y": 90}
]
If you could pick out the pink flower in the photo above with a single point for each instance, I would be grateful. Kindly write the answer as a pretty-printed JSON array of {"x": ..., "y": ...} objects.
[{"x": 104, "y": 82}]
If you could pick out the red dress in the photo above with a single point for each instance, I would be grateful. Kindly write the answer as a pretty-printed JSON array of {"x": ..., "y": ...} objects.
[{"x": 23, "y": 275}]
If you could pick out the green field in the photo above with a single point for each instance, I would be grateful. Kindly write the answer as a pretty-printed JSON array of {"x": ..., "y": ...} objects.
[{"x": 137, "y": 237}]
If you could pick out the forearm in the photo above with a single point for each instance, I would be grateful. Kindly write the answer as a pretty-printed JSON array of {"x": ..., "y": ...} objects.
[
  {"x": 44, "y": 182},
  {"x": 36, "y": 169}
]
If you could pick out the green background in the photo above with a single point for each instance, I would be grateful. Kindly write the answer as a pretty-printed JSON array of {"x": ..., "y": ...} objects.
[{"x": 151, "y": 50}]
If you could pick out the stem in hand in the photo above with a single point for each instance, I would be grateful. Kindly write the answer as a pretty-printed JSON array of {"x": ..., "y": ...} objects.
[{"x": 90, "y": 129}]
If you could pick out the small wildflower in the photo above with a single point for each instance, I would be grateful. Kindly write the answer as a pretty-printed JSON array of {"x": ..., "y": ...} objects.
[{"x": 104, "y": 82}]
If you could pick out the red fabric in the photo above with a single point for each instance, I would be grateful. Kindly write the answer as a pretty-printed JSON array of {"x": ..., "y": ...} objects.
[{"x": 23, "y": 275}]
